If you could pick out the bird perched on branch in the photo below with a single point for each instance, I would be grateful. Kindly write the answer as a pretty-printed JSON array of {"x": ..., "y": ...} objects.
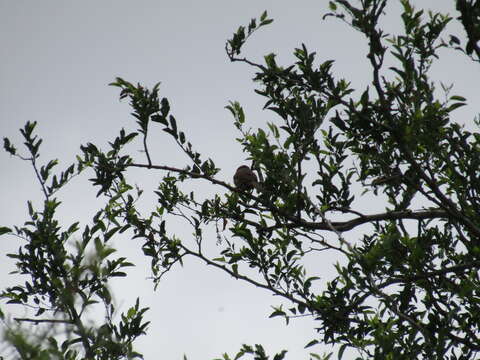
[
  {"x": 391, "y": 179},
  {"x": 245, "y": 179}
]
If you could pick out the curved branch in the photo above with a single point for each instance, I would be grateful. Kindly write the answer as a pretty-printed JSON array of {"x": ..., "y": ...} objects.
[
  {"x": 146, "y": 149},
  {"x": 189, "y": 173},
  {"x": 340, "y": 226},
  {"x": 239, "y": 276},
  {"x": 452, "y": 269}
]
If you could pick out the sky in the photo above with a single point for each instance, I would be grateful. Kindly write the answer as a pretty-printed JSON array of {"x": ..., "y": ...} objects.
[{"x": 58, "y": 58}]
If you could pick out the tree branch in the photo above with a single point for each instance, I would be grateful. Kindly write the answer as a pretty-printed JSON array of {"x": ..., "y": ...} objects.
[
  {"x": 342, "y": 226},
  {"x": 37, "y": 321}
]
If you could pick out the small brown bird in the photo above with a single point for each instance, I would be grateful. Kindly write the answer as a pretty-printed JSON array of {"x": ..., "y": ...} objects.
[
  {"x": 392, "y": 179},
  {"x": 245, "y": 179}
]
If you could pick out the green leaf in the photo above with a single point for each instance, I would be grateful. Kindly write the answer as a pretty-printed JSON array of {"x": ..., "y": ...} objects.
[
  {"x": 173, "y": 124},
  {"x": 457, "y": 98},
  {"x": 8, "y": 146},
  {"x": 454, "y": 40},
  {"x": 277, "y": 312},
  {"x": 263, "y": 16},
  {"x": 311, "y": 343},
  {"x": 341, "y": 351},
  {"x": 455, "y": 106},
  {"x": 266, "y": 22},
  {"x": 118, "y": 274},
  {"x": 4, "y": 230},
  {"x": 270, "y": 60}
]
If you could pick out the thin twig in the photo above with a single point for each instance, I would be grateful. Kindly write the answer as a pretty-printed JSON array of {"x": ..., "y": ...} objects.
[{"x": 37, "y": 321}]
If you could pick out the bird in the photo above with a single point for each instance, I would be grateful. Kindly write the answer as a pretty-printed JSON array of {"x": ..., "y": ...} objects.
[
  {"x": 245, "y": 179},
  {"x": 394, "y": 178}
]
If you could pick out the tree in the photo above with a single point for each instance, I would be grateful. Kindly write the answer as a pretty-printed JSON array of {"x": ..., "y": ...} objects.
[{"x": 407, "y": 288}]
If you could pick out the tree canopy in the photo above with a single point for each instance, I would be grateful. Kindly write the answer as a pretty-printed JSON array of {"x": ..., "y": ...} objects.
[{"x": 407, "y": 288}]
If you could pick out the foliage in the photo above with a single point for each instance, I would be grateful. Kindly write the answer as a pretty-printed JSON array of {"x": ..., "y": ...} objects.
[
  {"x": 64, "y": 284},
  {"x": 407, "y": 288}
]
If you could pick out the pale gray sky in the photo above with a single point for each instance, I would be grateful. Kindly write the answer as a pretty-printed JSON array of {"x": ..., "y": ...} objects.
[{"x": 57, "y": 59}]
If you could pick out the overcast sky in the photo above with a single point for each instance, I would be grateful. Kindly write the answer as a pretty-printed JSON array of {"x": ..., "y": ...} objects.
[{"x": 58, "y": 58}]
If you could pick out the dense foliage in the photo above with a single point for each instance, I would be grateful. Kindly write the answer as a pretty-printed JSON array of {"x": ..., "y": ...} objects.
[{"x": 407, "y": 288}]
